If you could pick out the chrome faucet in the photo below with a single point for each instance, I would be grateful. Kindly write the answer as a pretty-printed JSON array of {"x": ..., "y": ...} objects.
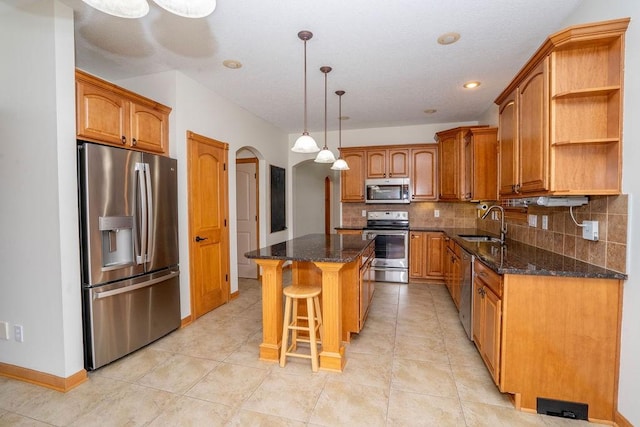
[{"x": 503, "y": 228}]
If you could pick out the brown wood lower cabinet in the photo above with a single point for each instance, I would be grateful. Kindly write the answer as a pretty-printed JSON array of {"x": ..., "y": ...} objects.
[
  {"x": 550, "y": 337},
  {"x": 425, "y": 255},
  {"x": 452, "y": 270}
]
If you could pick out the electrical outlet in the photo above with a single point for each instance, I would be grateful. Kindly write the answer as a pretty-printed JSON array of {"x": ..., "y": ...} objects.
[
  {"x": 18, "y": 333},
  {"x": 590, "y": 230},
  {"x": 436, "y": 213},
  {"x": 533, "y": 220},
  {"x": 545, "y": 222},
  {"x": 364, "y": 212},
  {"x": 4, "y": 330}
]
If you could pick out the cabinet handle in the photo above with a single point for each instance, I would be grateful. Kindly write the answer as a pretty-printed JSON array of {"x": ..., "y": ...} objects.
[
  {"x": 517, "y": 188},
  {"x": 124, "y": 139},
  {"x": 135, "y": 141}
]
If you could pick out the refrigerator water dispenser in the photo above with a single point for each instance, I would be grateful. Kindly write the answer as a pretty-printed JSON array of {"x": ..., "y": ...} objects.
[{"x": 117, "y": 241}]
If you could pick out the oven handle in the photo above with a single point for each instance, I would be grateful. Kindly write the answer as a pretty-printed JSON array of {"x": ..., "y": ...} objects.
[{"x": 386, "y": 232}]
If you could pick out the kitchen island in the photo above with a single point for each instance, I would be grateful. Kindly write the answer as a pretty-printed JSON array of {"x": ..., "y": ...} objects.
[{"x": 315, "y": 258}]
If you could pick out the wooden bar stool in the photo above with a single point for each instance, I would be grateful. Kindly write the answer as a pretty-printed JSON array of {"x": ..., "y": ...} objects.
[{"x": 313, "y": 321}]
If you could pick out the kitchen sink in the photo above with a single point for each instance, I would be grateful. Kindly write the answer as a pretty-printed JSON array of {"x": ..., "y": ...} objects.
[{"x": 479, "y": 238}]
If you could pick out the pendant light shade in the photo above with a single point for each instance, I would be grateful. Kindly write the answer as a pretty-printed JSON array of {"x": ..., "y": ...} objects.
[
  {"x": 325, "y": 155},
  {"x": 188, "y": 8},
  {"x": 340, "y": 164},
  {"x": 305, "y": 143},
  {"x": 121, "y": 8}
]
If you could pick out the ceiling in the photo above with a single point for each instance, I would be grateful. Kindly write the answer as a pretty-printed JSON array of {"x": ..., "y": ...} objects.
[{"x": 384, "y": 54}]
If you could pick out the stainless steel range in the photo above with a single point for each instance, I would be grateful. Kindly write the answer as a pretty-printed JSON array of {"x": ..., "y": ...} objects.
[{"x": 391, "y": 232}]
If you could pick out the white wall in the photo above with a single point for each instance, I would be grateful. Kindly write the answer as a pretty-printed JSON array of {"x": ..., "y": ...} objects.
[
  {"x": 39, "y": 255},
  {"x": 596, "y": 10}
]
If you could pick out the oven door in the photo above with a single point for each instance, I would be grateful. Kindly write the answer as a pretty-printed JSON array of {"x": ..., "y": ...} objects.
[{"x": 391, "y": 248}]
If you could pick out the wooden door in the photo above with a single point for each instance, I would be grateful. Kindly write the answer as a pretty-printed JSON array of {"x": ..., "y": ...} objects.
[
  {"x": 417, "y": 255},
  {"x": 352, "y": 180},
  {"x": 377, "y": 164},
  {"x": 149, "y": 129},
  {"x": 247, "y": 215},
  {"x": 424, "y": 174},
  {"x": 449, "y": 167},
  {"x": 434, "y": 248},
  {"x": 101, "y": 115},
  {"x": 533, "y": 135},
  {"x": 208, "y": 229},
  {"x": 398, "y": 163},
  {"x": 491, "y": 344},
  {"x": 507, "y": 147}
]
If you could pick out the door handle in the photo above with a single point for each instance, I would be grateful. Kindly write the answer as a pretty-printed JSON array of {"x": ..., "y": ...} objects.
[{"x": 200, "y": 239}]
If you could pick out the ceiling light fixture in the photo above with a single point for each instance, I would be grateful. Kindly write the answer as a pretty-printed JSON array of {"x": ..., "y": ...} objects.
[
  {"x": 448, "y": 38},
  {"x": 430, "y": 111},
  {"x": 471, "y": 85},
  {"x": 188, "y": 8},
  {"x": 325, "y": 155},
  {"x": 305, "y": 143},
  {"x": 340, "y": 164},
  {"x": 139, "y": 8},
  {"x": 121, "y": 8},
  {"x": 232, "y": 63}
]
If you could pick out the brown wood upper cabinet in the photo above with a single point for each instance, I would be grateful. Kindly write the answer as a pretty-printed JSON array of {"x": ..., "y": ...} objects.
[
  {"x": 388, "y": 163},
  {"x": 415, "y": 161},
  {"x": 352, "y": 180},
  {"x": 467, "y": 163},
  {"x": 560, "y": 119},
  {"x": 109, "y": 114}
]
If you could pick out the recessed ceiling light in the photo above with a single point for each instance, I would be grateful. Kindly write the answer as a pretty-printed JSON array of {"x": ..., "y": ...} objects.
[
  {"x": 231, "y": 63},
  {"x": 344, "y": 117},
  {"x": 430, "y": 111},
  {"x": 471, "y": 85},
  {"x": 448, "y": 38}
]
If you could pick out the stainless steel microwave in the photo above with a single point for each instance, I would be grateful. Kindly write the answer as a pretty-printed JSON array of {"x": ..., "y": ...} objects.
[{"x": 386, "y": 190}]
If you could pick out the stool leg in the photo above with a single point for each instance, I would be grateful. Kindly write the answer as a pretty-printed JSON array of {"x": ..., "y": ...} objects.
[
  {"x": 316, "y": 301},
  {"x": 294, "y": 322},
  {"x": 312, "y": 335},
  {"x": 285, "y": 332}
]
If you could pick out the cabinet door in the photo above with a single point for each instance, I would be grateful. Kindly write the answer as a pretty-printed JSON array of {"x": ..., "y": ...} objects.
[
  {"x": 435, "y": 248},
  {"x": 149, "y": 129},
  {"x": 481, "y": 164},
  {"x": 424, "y": 173},
  {"x": 417, "y": 254},
  {"x": 491, "y": 340},
  {"x": 376, "y": 163},
  {"x": 352, "y": 180},
  {"x": 477, "y": 325},
  {"x": 508, "y": 147},
  {"x": 101, "y": 115},
  {"x": 398, "y": 163},
  {"x": 449, "y": 167},
  {"x": 533, "y": 130}
]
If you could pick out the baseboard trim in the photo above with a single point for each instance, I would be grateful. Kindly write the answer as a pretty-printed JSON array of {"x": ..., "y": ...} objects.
[
  {"x": 186, "y": 321},
  {"x": 234, "y": 295},
  {"x": 620, "y": 420},
  {"x": 43, "y": 379}
]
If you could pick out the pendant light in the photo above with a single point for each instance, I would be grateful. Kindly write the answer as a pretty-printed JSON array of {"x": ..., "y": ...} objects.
[
  {"x": 305, "y": 143},
  {"x": 325, "y": 155},
  {"x": 340, "y": 164},
  {"x": 188, "y": 8},
  {"x": 121, "y": 8}
]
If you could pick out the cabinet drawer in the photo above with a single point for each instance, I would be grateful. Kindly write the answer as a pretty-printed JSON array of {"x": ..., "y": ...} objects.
[{"x": 490, "y": 278}]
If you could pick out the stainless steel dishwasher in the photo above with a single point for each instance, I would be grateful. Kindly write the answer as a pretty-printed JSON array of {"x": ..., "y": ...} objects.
[{"x": 466, "y": 289}]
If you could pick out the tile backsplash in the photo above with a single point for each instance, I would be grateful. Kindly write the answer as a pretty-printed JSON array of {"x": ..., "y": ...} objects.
[{"x": 562, "y": 235}]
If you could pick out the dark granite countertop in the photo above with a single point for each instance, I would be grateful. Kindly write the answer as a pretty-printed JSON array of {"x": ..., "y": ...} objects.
[
  {"x": 315, "y": 247},
  {"x": 518, "y": 258}
]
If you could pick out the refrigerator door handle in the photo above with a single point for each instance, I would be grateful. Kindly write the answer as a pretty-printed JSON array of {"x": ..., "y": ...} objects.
[
  {"x": 142, "y": 187},
  {"x": 149, "y": 212},
  {"x": 106, "y": 294}
]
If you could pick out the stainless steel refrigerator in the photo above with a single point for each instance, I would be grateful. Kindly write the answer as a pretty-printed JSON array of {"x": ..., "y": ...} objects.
[{"x": 129, "y": 250}]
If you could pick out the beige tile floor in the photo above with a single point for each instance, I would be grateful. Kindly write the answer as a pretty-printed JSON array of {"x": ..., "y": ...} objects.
[{"x": 412, "y": 365}]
